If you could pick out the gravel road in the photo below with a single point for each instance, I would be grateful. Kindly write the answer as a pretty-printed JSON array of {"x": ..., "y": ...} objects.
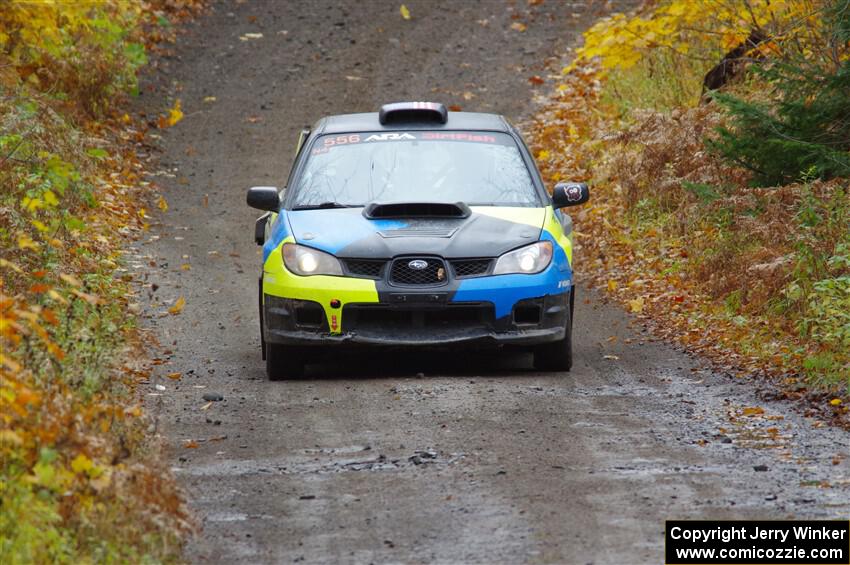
[{"x": 421, "y": 456}]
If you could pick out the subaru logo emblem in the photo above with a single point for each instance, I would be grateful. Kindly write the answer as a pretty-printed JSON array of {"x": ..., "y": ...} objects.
[{"x": 418, "y": 264}]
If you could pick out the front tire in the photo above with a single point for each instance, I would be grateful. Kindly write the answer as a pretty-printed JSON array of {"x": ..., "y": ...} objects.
[
  {"x": 283, "y": 362},
  {"x": 557, "y": 355}
]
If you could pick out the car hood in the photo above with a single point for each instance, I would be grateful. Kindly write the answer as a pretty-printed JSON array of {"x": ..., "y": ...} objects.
[{"x": 488, "y": 231}]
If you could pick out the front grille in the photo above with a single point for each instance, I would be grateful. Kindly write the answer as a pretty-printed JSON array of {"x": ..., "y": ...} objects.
[
  {"x": 382, "y": 319},
  {"x": 433, "y": 274},
  {"x": 471, "y": 267},
  {"x": 366, "y": 268}
]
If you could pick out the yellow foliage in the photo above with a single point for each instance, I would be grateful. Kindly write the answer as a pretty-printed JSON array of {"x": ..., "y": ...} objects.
[{"x": 681, "y": 26}]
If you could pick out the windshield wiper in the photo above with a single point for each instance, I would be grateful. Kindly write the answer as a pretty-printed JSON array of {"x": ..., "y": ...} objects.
[{"x": 325, "y": 205}]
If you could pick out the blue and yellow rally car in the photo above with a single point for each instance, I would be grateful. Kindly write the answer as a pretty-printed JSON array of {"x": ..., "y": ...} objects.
[{"x": 414, "y": 226}]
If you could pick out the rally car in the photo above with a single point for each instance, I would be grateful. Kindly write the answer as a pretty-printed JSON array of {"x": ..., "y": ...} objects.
[{"x": 414, "y": 226}]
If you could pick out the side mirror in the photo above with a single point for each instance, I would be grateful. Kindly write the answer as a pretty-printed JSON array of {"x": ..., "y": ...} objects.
[
  {"x": 264, "y": 198},
  {"x": 570, "y": 194}
]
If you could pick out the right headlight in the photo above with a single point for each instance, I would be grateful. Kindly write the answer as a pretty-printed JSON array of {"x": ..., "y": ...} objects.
[
  {"x": 305, "y": 261},
  {"x": 526, "y": 260}
]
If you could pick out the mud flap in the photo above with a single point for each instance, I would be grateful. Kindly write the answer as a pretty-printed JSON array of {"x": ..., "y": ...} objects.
[{"x": 262, "y": 332}]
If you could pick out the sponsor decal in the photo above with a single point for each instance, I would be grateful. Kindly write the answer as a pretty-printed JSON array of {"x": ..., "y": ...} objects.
[
  {"x": 389, "y": 137},
  {"x": 328, "y": 142},
  {"x": 573, "y": 192},
  {"x": 334, "y": 322}
]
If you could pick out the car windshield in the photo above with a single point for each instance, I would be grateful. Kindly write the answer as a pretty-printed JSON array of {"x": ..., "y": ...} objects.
[{"x": 478, "y": 168}]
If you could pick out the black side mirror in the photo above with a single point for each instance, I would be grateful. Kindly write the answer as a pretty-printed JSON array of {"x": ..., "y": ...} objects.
[
  {"x": 570, "y": 194},
  {"x": 264, "y": 198}
]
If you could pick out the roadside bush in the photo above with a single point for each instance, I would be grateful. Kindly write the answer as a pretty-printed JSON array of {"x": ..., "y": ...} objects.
[
  {"x": 80, "y": 481},
  {"x": 753, "y": 276}
]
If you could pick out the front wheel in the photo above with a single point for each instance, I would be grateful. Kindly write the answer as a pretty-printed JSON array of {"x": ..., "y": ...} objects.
[
  {"x": 283, "y": 362},
  {"x": 557, "y": 355}
]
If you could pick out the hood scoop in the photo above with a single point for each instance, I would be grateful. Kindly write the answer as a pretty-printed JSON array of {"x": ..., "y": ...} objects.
[{"x": 377, "y": 211}]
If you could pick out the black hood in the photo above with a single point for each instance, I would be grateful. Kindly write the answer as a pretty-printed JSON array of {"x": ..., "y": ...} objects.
[{"x": 487, "y": 231}]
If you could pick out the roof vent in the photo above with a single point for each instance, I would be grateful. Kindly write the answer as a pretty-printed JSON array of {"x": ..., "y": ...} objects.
[{"x": 413, "y": 112}]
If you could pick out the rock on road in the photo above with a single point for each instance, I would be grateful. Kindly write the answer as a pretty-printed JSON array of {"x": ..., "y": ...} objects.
[{"x": 420, "y": 456}]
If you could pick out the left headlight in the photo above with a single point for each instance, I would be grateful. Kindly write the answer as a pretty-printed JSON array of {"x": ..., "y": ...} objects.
[
  {"x": 306, "y": 261},
  {"x": 526, "y": 260}
]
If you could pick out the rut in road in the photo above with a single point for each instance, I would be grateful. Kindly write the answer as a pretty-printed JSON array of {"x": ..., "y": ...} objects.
[{"x": 421, "y": 456}]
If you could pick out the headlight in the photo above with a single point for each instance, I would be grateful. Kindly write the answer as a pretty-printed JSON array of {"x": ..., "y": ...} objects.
[
  {"x": 308, "y": 261},
  {"x": 527, "y": 260}
]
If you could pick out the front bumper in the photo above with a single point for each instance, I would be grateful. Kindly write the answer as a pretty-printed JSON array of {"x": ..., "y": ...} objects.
[{"x": 531, "y": 321}]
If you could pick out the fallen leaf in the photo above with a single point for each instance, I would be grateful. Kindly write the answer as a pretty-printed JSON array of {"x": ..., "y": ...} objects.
[
  {"x": 185, "y": 267},
  {"x": 81, "y": 464},
  {"x": 468, "y": 95},
  {"x": 519, "y": 26},
  {"x": 454, "y": 108},
  {"x": 162, "y": 204},
  {"x": 249, "y": 36},
  {"x": 206, "y": 406},
  {"x": 636, "y": 305},
  {"x": 542, "y": 155},
  {"x": 536, "y": 80},
  {"x": 178, "y": 306},
  {"x": 611, "y": 357},
  {"x": 752, "y": 411},
  {"x": 209, "y": 98},
  {"x": 191, "y": 444},
  {"x": 352, "y": 77},
  {"x": 612, "y": 285},
  {"x": 405, "y": 13},
  {"x": 175, "y": 114},
  {"x": 174, "y": 376},
  {"x": 835, "y": 401}
]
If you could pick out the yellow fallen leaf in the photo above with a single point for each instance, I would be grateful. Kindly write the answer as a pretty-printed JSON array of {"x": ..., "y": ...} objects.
[
  {"x": 175, "y": 114},
  {"x": 519, "y": 26},
  {"x": 9, "y": 436},
  {"x": 612, "y": 285},
  {"x": 753, "y": 411},
  {"x": 174, "y": 376},
  {"x": 835, "y": 401},
  {"x": 81, "y": 464},
  {"x": 405, "y": 13},
  {"x": 543, "y": 155},
  {"x": 70, "y": 279},
  {"x": 186, "y": 267},
  {"x": 162, "y": 204},
  {"x": 26, "y": 242},
  {"x": 56, "y": 296},
  {"x": 209, "y": 99},
  {"x": 636, "y": 305},
  {"x": 178, "y": 306},
  {"x": 9, "y": 264}
]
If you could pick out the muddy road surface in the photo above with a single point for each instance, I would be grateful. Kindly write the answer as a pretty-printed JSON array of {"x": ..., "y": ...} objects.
[{"x": 420, "y": 456}]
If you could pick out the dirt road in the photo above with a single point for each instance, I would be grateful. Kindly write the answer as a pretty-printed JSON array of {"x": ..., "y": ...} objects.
[{"x": 421, "y": 457}]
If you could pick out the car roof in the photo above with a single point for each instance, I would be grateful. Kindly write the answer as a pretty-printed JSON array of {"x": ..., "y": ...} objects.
[{"x": 369, "y": 121}]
